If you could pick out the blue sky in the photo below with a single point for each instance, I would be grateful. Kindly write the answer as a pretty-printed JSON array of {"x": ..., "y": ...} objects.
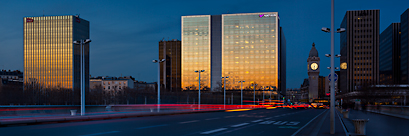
[{"x": 125, "y": 34}]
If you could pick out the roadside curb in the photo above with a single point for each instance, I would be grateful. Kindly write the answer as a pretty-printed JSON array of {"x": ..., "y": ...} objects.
[{"x": 62, "y": 119}]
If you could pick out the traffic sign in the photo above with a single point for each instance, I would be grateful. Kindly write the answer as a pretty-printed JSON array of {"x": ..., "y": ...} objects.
[{"x": 335, "y": 77}]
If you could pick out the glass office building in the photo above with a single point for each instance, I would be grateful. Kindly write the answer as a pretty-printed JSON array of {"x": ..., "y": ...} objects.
[
  {"x": 195, "y": 51},
  {"x": 245, "y": 46},
  {"x": 51, "y": 60},
  {"x": 389, "y": 61}
]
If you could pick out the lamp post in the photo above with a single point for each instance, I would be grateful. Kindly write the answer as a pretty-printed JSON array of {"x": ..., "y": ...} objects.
[
  {"x": 224, "y": 87},
  {"x": 254, "y": 94},
  {"x": 82, "y": 84},
  {"x": 332, "y": 93},
  {"x": 199, "y": 71},
  {"x": 158, "y": 61},
  {"x": 241, "y": 88},
  {"x": 263, "y": 94}
]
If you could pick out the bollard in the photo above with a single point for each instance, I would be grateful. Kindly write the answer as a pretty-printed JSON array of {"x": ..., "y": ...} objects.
[
  {"x": 360, "y": 126},
  {"x": 73, "y": 112},
  {"x": 346, "y": 114}
]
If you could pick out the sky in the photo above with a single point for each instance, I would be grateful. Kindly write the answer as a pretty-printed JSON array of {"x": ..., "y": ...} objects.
[{"x": 125, "y": 34}]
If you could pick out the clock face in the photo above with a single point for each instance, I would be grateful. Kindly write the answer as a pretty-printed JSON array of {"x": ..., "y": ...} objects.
[
  {"x": 314, "y": 66},
  {"x": 343, "y": 65}
]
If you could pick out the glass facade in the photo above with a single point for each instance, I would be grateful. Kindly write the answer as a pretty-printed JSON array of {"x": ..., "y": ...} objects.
[
  {"x": 250, "y": 49},
  {"x": 195, "y": 51},
  {"x": 50, "y": 57},
  {"x": 404, "y": 69},
  {"x": 389, "y": 62}
]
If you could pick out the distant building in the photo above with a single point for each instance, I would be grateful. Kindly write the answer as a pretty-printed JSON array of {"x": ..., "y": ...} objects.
[
  {"x": 12, "y": 75},
  {"x": 170, "y": 70},
  {"x": 294, "y": 95},
  {"x": 304, "y": 89},
  {"x": 404, "y": 41},
  {"x": 51, "y": 59},
  {"x": 313, "y": 73},
  {"x": 359, "y": 46},
  {"x": 112, "y": 83},
  {"x": 389, "y": 55}
]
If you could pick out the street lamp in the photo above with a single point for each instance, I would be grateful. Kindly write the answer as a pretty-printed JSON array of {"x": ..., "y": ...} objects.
[
  {"x": 340, "y": 30},
  {"x": 158, "y": 61},
  {"x": 199, "y": 71},
  {"x": 224, "y": 87},
  {"x": 254, "y": 94},
  {"x": 241, "y": 88},
  {"x": 82, "y": 43}
]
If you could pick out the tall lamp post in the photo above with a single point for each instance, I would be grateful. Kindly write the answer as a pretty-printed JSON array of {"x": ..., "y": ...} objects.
[
  {"x": 199, "y": 71},
  {"x": 254, "y": 94},
  {"x": 158, "y": 61},
  {"x": 224, "y": 87},
  {"x": 241, "y": 88},
  {"x": 332, "y": 93},
  {"x": 82, "y": 43}
]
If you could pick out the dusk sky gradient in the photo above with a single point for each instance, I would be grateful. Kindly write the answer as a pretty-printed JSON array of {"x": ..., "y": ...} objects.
[{"x": 125, "y": 34}]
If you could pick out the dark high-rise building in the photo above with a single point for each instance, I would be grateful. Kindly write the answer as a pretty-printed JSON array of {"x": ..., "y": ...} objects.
[
  {"x": 389, "y": 52},
  {"x": 404, "y": 60},
  {"x": 170, "y": 70},
  {"x": 51, "y": 59},
  {"x": 359, "y": 49}
]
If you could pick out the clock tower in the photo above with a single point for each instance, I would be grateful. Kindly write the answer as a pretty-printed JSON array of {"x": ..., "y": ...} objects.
[{"x": 313, "y": 73}]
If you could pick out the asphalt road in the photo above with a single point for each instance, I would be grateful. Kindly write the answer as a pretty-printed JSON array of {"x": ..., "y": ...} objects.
[{"x": 278, "y": 122}]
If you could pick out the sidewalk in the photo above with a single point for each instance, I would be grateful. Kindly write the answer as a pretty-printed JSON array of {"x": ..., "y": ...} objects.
[
  {"x": 321, "y": 126},
  {"x": 378, "y": 125}
]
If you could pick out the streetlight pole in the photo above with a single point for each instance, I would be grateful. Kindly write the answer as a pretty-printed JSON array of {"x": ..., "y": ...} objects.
[
  {"x": 82, "y": 72},
  {"x": 254, "y": 94},
  {"x": 263, "y": 95},
  {"x": 241, "y": 88},
  {"x": 332, "y": 110},
  {"x": 224, "y": 87},
  {"x": 199, "y": 71},
  {"x": 158, "y": 61}
]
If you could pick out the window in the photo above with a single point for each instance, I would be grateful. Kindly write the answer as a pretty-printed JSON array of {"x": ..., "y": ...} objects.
[
  {"x": 109, "y": 87},
  {"x": 120, "y": 87}
]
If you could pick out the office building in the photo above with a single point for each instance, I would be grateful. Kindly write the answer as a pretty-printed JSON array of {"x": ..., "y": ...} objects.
[
  {"x": 389, "y": 52},
  {"x": 246, "y": 46},
  {"x": 359, "y": 49},
  {"x": 404, "y": 43},
  {"x": 51, "y": 60},
  {"x": 113, "y": 84},
  {"x": 170, "y": 70}
]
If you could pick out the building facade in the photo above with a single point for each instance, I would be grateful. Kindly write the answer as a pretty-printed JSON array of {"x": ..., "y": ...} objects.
[
  {"x": 404, "y": 43},
  {"x": 113, "y": 84},
  {"x": 247, "y": 46},
  {"x": 389, "y": 55},
  {"x": 51, "y": 60},
  {"x": 359, "y": 46},
  {"x": 313, "y": 73},
  {"x": 170, "y": 70}
]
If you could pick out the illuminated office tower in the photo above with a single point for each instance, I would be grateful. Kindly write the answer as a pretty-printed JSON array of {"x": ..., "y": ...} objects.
[
  {"x": 246, "y": 46},
  {"x": 51, "y": 60}
]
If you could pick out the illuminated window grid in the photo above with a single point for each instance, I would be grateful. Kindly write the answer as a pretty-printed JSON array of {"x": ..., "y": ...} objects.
[
  {"x": 250, "y": 50},
  {"x": 48, "y": 51},
  {"x": 195, "y": 51}
]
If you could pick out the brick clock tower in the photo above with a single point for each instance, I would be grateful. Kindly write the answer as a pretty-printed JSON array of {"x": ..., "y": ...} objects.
[{"x": 313, "y": 73}]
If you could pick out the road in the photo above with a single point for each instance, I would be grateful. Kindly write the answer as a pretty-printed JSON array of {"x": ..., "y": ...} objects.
[{"x": 280, "y": 122}]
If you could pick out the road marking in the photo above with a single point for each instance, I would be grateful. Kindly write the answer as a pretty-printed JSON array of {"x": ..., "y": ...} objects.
[
  {"x": 295, "y": 133},
  {"x": 238, "y": 125},
  {"x": 257, "y": 120},
  {"x": 293, "y": 123},
  {"x": 281, "y": 123},
  {"x": 268, "y": 118},
  {"x": 212, "y": 118},
  {"x": 276, "y": 116},
  {"x": 267, "y": 122},
  {"x": 152, "y": 126},
  {"x": 188, "y": 121},
  {"x": 212, "y": 131},
  {"x": 228, "y": 116},
  {"x": 101, "y": 133}
]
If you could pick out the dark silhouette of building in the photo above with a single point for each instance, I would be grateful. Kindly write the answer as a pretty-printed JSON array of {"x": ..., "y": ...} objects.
[
  {"x": 359, "y": 49},
  {"x": 404, "y": 60},
  {"x": 389, "y": 52},
  {"x": 170, "y": 70}
]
